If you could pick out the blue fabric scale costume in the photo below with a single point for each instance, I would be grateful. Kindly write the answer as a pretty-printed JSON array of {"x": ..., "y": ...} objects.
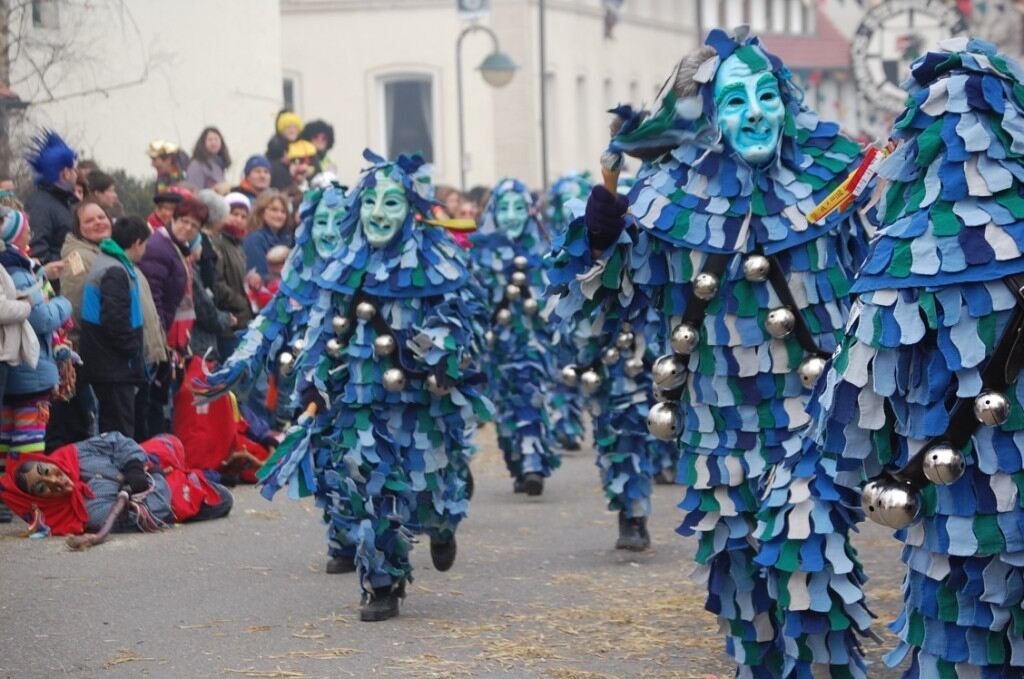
[
  {"x": 748, "y": 294},
  {"x": 508, "y": 259},
  {"x": 924, "y": 395},
  {"x": 386, "y": 382},
  {"x": 275, "y": 337}
]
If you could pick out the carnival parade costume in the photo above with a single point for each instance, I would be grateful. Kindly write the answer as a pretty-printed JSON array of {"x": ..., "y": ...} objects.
[
  {"x": 389, "y": 396},
  {"x": 508, "y": 258},
  {"x": 923, "y": 396},
  {"x": 276, "y": 337},
  {"x": 749, "y": 295}
]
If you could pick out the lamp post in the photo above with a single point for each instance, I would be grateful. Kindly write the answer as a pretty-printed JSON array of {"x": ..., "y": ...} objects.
[
  {"x": 542, "y": 25},
  {"x": 497, "y": 68}
]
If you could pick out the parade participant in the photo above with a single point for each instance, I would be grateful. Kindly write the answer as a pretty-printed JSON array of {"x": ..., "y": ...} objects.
[
  {"x": 508, "y": 258},
  {"x": 748, "y": 294},
  {"x": 924, "y": 394},
  {"x": 568, "y": 192},
  {"x": 75, "y": 488},
  {"x": 263, "y": 363},
  {"x": 386, "y": 385},
  {"x": 165, "y": 157},
  {"x": 49, "y": 207}
]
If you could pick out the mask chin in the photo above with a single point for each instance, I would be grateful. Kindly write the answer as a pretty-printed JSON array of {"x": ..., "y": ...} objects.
[
  {"x": 515, "y": 230},
  {"x": 377, "y": 236}
]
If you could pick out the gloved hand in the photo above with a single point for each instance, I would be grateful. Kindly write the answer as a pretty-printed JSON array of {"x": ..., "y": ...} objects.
[
  {"x": 135, "y": 476},
  {"x": 604, "y": 218}
]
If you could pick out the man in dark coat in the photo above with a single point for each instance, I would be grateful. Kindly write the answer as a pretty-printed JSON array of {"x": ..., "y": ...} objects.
[
  {"x": 49, "y": 206},
  {"x": 111, "y": 340}
]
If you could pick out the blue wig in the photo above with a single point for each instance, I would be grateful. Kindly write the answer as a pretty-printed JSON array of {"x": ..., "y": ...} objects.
[{"x": 49, "y": 156}]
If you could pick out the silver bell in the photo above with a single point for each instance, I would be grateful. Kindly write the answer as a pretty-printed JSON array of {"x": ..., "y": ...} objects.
[
  {"x": 991, "y": 408},
  {"x": 684, "y": 339},
  {"x": 943, "y": 464},
  {"x": 384, "y": 345},
  {"x": 780, "y": 322},
  {"x": 569, "y": 376},
  {"x": 504, "y": 316},
  {"x": 590, "y": 382},
  {"x": 520, "y": 262},
  {"x": 705, "y": 285},
  {"x": 490, "y": 338},
  {"x": 335, "y": 347},
  {"x": 633, "y": 366},
  {"x": 890, "y": 503},
  {"x": 518, "y": 278},
  {"x": 668, "y": 372},
  {"x": 365, "y": 311},
  {"x": 393, "y": 379},
  {"x": 530, "y": 306},
  {"x": 810, "y": 370},
  {"x": 513, "y": 292},
  {"x": 756, "y": 268},
  {"x": 286, "y": 362},
  {"x": 663, "y": 422},
  {"x": 339, "y": 324},
  {"x": 299, "y": 345},
  {"x": 625, "y": 340},
  {"x": 435, "y": 388},
  {"x": 611, "y": 356}
]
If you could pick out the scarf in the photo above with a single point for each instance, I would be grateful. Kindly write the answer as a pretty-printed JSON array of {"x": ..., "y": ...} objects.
[
  {"x": 110, "y": 246},
  {"x": 65, "y": 515}
]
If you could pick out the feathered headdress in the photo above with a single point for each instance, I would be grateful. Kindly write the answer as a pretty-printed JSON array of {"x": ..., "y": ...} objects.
[{"x": 49, "y": 155}]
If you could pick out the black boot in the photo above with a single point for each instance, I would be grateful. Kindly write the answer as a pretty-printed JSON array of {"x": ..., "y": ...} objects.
[
  {"x": 533, "y": 484},
  {"x": 517, "y": 485},
  {"x": 470, "y": 484},
  {"x": 443, "y": 553},
  {"x": 382, "y": 604},
  {"x": 6, "y": 515},
  {"x": 341, "y": 564},
  {"x": 633, "y": 534},
  {"x": 666, "y": 477}
]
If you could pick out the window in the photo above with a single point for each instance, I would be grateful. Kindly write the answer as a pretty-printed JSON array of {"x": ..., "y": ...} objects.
[
  {"x": 583, "y": 145},
  {"x": 409, "y": 116},
  {"x": 44, "y": 14},
  {"x": 289, "y": 93}
]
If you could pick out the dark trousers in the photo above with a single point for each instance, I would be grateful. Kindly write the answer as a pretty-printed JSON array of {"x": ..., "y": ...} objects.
[
  {"x": 116, "y": 406},
  {"x": 219, "y": 510},
  {"x": 72, "y": 421},
  {"x": 151, "y": 403}
]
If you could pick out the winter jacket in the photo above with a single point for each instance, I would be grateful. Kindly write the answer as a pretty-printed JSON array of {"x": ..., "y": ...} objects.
[
  {"x": 247, "y": 189},
  {"x": 46, "y": 317},
  {"x": 71, "y": 284},
  {"x": 210, "y": 324},
  {"x": 280, "y": 175},
  {"x": 229, "y": 287},
  {"x": 258, "y": 243},
  {"x": 111, "y": 337},
  {"x": 49, "y": 213},
  {"x": 13, "y": 312},
  {"x": 154, "y": 340},
  {"x": 102, "y": 460},
  {"x": 204, "y": 175},
  {"x": 207, "y": 270},
  {"x": 164, "y": 267}
]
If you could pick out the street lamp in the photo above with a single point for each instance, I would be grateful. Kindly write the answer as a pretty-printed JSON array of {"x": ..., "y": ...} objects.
[{"x": 497, "y": 68}]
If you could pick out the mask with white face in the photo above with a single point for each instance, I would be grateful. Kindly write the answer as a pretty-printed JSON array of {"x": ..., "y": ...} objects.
[
  {"x": 383, "y": 208},
  {"x": 750, "y": 110},
  {"x": 511, "y": 213}
]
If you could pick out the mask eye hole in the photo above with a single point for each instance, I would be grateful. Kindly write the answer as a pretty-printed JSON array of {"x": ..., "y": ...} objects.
[
  {"x": 735, "y": 101},
  {"x": 768, "y": 96}
]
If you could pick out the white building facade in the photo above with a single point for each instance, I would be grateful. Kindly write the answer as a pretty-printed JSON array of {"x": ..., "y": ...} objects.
[{"x": 383, "y": 72}]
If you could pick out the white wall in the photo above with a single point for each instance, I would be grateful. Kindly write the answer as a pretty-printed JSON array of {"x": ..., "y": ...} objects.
[{"x": 182, "y": 64}]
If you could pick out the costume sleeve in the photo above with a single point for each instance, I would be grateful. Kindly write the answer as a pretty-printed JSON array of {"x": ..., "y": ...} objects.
[{"x": 452, "y": 330}]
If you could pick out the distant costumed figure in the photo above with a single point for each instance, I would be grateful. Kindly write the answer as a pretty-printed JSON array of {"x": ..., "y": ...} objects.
[
  {"x": 508, "y": 258},
  {"x": 386, "y": 384},
  {"x": 750, "y": 297},
  {"x": 923, "y": 397}
]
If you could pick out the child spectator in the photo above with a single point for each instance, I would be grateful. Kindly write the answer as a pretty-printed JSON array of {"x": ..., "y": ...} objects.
[
  {"x": 256, "y": 179},
  {"x": 102, "y": 189},
  {"x": 262, "y": 289},
  {"x": 288, "y": 127},
  {"x": 113, "y": 356},
  {"x": 229, "y": 290},
  {"x": 210, "y": 158},
  {"x": 163, "y": 208},
  {"x": 74, "y": 489},
  {"x": 29, "y": 390}
]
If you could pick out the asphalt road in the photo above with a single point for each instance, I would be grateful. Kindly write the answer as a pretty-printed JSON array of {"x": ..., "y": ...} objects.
[{"x": 537, "y": 591}]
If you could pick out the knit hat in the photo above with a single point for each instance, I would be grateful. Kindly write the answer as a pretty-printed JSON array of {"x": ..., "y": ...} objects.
[
  {"x": 13, "y": 224},
  {"x": 235, "y": 199},
  {"x": 49, "y": 156},
  {"x": 286, "y": 119},
  {"x": 254, "y": 162},
  {"x": 161, "y": 147},
  {"x": 216, "y": 204},
  {"x": 301, "y": 149},
  {"x": 172, "y": 194}
]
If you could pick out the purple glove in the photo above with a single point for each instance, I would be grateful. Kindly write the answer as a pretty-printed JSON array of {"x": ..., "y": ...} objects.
[{"x": 604, "y": 218}]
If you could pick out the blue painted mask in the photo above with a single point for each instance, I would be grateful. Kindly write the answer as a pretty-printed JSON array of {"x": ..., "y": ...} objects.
[
  {"x": 382, "y": 211},
  {"x": 750, "y": 110},
  {"x": 512, "y": 212},
  {"x": 327, "y": 221}
]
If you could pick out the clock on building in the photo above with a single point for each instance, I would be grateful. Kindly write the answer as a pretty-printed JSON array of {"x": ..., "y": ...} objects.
[{"x": 890, "y": 37}]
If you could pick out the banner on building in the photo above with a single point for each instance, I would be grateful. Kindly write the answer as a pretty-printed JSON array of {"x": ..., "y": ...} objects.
[{"x": 472, "y": 9}]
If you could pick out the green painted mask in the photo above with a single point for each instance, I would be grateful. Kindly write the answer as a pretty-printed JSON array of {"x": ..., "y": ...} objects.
[
  {"x": 512, "y": 212},
  {"x": 326, "y": 231},
  {"x": 382, "y": 210}
]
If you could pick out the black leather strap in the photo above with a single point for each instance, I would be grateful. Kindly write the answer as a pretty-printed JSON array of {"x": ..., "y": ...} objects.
[
  {"x": 777, "y": 278},
  {"x": 697, "y": 308}
]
